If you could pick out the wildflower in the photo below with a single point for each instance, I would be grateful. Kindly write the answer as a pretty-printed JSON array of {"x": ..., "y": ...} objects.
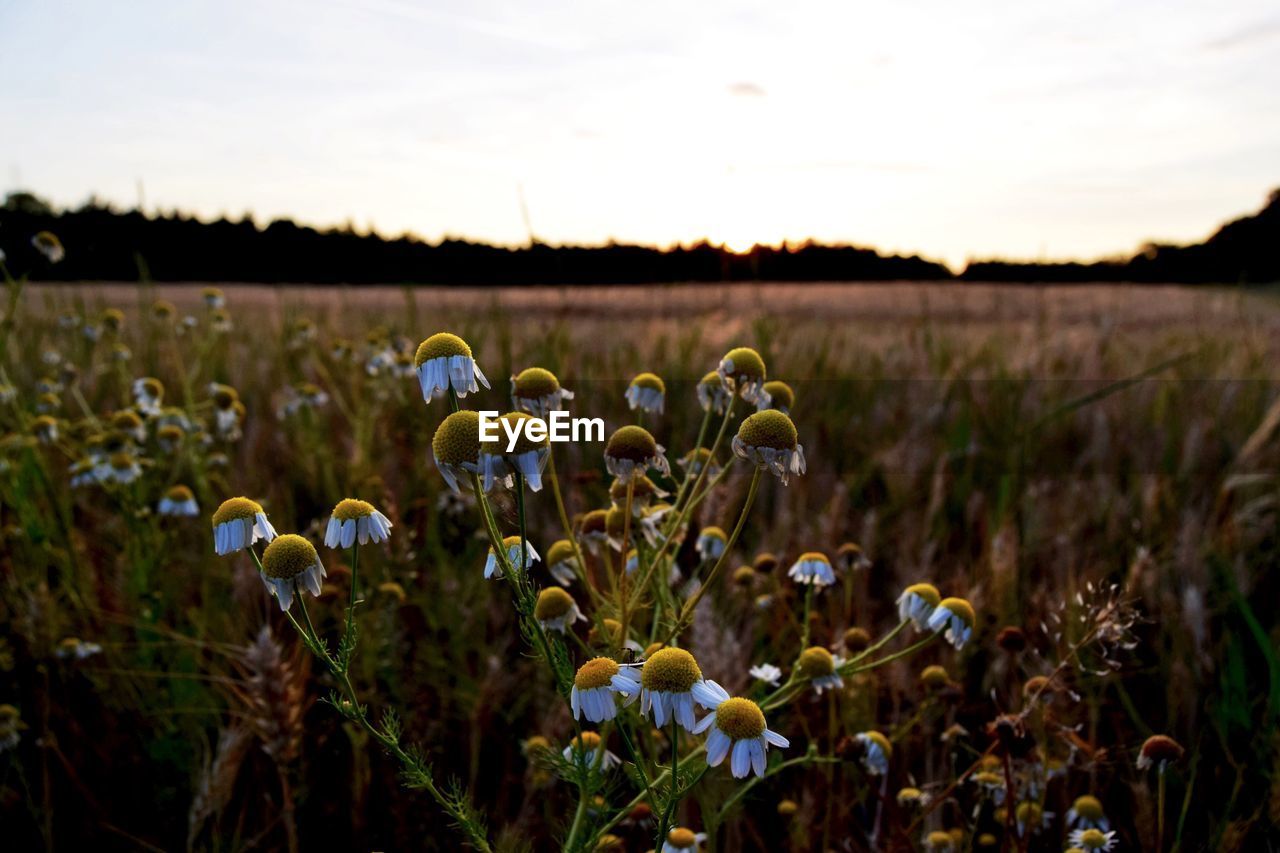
[
  {"x": 813, "y": 568},
  {"x": 239, "y": 523},
  {"x": 670, "y": 683},
  {"x": 527, "y": 457},
  {"x": 766, "y": 672},
  {"x": 10, "y": 726},
  {"x": 819, "y": 667},
  {"x": 954, "y": 616},
  {"x": 633, "y": 561},
  {"x": 561, "y": 560},
  {"x": 47, "y": 404},
  {"x": 130, "y": 424},
  {"x": 290, "y": 562},
  {"x": 351, "y": 520},
  {"x": 1161, "y": 751},
  {"x": 7, "y": 393},
  {"x": 787, "y": 808},
  {"x": 444, "y": 361},
  {"x": 711, "y": 543},
  {"x": 744, "y": 576},
  {"x": 391, "y": 589},
  {"x": 302, "y": 333},
  {"x": 682, "y": 840},
  {"x": 45, "y": 429},
  {"x": 647, "y": 392},
  {"x": 713, "y": 395},
  {"x": 538, "y": 392},
  {"x": 535, "y": 745},
  {"x": 765, "y": 562},
  {"x": 876, "y": 752},
  {"x": 91, "y": 331},
  {"x": 695, "y": 460},
  {"x": 74, "y": 647},
  {"x": 856, "y": 640},
  {"x": 912, "y": 797},
  {"x": 990, "y": 784},
  {"x": 122, "y": 468},
  {"x": 764, "y": 601},
  {"x": 1012, "y": 639},
  {"x": 163, "y": 310},
  {"x": 850, "y": 557},
  {"x": 939, "y": 842},
  {"x": 631, "y": 451},
  {"x": 1093, "y": 839},
  {"x": 148, "y": 393},
  {"x": 608, "y": 843},
  {"x": 456, "y": 448},
  {"x": 512, "y": 546},
  {"x": 219, "y": 321},
  {"x": 122, "y": 353},
  {"x": 556, "y": 610},
  {"x": 1086, "y": 813},
  {"x": 169, "y": 437},
  {"x": 769, "y": 440},
  {"x": 1031, "y": 817},
  {"x": 738, "y": 726},
  {"x": 917, "y": 603},
  {"x": 178, "y": 501},
  {"x": 587, "y": 749},
  {"x": 213, "y": 297},
  {"x": 227, "y": 409},
  {"x": 742, "y": 370},
  {"x": 611, "y": 636},
  {"x": 593, "y": 528},
  {"x": 48, "y": 244},
  {"x": 84, "y": 472},
  {"x": 776, "y": 395},
  {"x": 643, "y": 490},
  {"x": 934, "y": 677},
  {"x": 595, "y": 684}
]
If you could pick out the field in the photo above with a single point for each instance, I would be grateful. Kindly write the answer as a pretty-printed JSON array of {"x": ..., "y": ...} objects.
[{"x": 1093, "y": 469}]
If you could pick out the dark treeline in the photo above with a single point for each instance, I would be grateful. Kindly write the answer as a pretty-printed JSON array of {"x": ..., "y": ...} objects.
[{"x": 103, "y": 243}]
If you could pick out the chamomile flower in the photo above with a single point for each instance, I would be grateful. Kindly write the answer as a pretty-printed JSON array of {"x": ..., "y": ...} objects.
[
  {"x": 737, "y": 727},
  {"x": 912, "y": 797},
  {"x": 820, "y": 668},
  {"x": 586, "y": 749},
  {"x": 128, "y": 422},
  {"x": 527, "y": 457},
  {"x": 767, "y": 673},
  {"x": 238, "y": 523},
  {"x": 670, "y": 683},
  {"x": 593, "y": 529},
  {"x": 1093, "y": 839},
  {"x": 856, "y": 640},
  {"x": 48, "y": 244},
  {"x": 1031, "y": 817},
  {"x": 711, "y": 543},
  {"x": 74, "y": 647},
  {"x": 227, "y": 410},
  {"x": 538, "y": 392},
  {"x": 876, "y": 752},
  {"x": 595, "y": 685},
  {"x": 444, "y": 361},
  {"x": 561, "y": 562},
  {"x": 647, "y": 392},
  {"x": 213, "y": 297},
  {"x": 290, "y": 563},
  {"x": 743, "y": 372},
  {"x": 1159, "y": 751},
  {"x": 351, "y": 520},
  {"x": 917, "y": 603},
  {"x": 633, "y": 562},
  {"x": 170, "y": 437},
  {"x": 934, "y": 677},
  {"x": 45, "y": 429},
  {"x": 1086, "y": 813},
  {"x": 456, "y": 448},
  {"x": 178, "y": 501},
  {"x": 695, "y": 460},
  {"x": 556, "y": 610},
  {"x": 850, "y": 557},
  {"x": 713, "y": 394},
  {"x": 769, "y": 440},
  {"x": 148, "y": 395},
  {"x": 776, "y": 395},
  {"x": 683, "y": 840},
  {"x": 939, "y": 842},
  {"x": 11, "y": 727},
  {"x": 122, "y": 468},
  {"x": 643, "y": 491},
  {"x": 631, "y": 451},
  {"x": 493, "y": 569},
  {"x": 956, "y": 618},
  {"x": 84, "y": 472},
  {"x": 814, "y": 568}
]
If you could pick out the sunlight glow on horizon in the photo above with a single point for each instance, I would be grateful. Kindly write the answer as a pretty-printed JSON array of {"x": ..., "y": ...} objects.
[{"x": 999, "y": 130}]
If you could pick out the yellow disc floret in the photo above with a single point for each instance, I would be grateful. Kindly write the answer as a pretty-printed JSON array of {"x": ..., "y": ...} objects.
[
  {"x": 1088, "y": 807},
  {"x": 744, "y": 363},
  {"x": 350, "y": 508},
  {"x": 534, "y": 383},
  {"x": 815, "y": 662},
  {"x": 179, "y": 494},
  {"x": 780, "y": 394},
  {"x": 927, "y": 591},
  {"x": 670, "y": 671},
  {"x": 934, "y": 677},
  {"x": 596, "y": 673},
  {"x": 771, "y": 429},
  {"x": 560, "y": 551},
  {"x": 236, "y": 509},
  {"x": 632, "y": 442},
  {"x": 457, "y": 439},
  {"x": 740, "y": 719},
  {"x": 440, "y": 345},
  {"x": 288, "y": 556},
  {"x": 959, "y": 607},
  {"x": 650, "y": 380},
  {"x": 553, "y": 603},
  {"x": 518, "y": 423},
  {"x": 680, "y": 837}
]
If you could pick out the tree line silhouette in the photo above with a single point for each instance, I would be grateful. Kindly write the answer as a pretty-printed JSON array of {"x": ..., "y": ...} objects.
[{"x": 104, "y": 243}]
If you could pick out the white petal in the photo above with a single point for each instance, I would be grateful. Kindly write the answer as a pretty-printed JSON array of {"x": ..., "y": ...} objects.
[{"x": 718, "y": 744}]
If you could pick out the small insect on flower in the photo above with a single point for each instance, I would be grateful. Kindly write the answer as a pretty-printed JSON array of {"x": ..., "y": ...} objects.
[
  {"x": 178, "y": 501},
  {"x": 819, "y": 667},
  {"x": 770, "y": 441},
  {"x": 48, "y": 244},
  {"x": 595, "y": 685},
  {"x": 683, "y": 840},
  {"x": 353, "y": 519},
  {"x": 1087, "y": 813},
  {"x": 670, "y": 683},
  {"x": 148, "y": 395},
  {"x": 647, "y": 392},
  {"x": 955, "y": 617},
  {"x": 456, "y": 448},
  {"x": 631, "y": 451},
  {"x": 588, "y": 750},
  {"x": 556, "y": 610},
  {"x": 1159, "y": 751},
  {"x": 538, "y": 392},
  {"x": 290, "y": 563},
  {"x": 444, "y": 361},
  {"x": 742, "y": 370},
  {"x": 239, "y": 523},
  {"x": 767, "y": 673},
  {"x": 813, "y": 568},
  {"x": 711, "y": 543},
  {"x": 738, "y": 726},
  {"x": 876, "y": 752},
  {"x": 562, "y": 562},
  {"x": 917, "y": 603},
  {"x": 1093, "y": 839},
  {"x": 776, "y": 395},
  {"x": 713, "y": 394},
  {"x": 523, "y": 455},
  {"x": 512, "y": 546}
]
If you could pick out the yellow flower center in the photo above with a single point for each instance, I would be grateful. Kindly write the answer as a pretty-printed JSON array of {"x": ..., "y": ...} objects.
[
  {"x": 813, "y": 556},
  {"x": 632, "y": 442},
  {"x": 642, "y": 488},
  {"x": 671, "y": 671},
  {"x": 126, "y": 420},
  {"x": 457, "y": 439},
  {"x": 586, "y": 742},
  {"x": 1093, "y": 839},
  {"x": 714, "y": 533},
  {"x": 880, "y": 740},
  {"x": 771, "y": 429},
  {"x": 740, "y": 719},
  {"x": 553, "y": 602},
  {"x": 560, "y": 551},
  {"x": 815, "y": 662},
  {"x": 234, "y": 509},
  {"x": 650, "y": 380},
  {"x": 934, "y": 677},
  {"x": 780, "y": 393},
  {"x": 927, "y": 591},
  {"x": 1088, "y": 807},
  {"x": 856, "y": 639},
  {"x": 594, "y": 521},
  {"x": 596, "y": 673},
  {"x": 712, "y": 379},
  {"x": 744, "y": 363},
  {"x": 350, "y": 508},
  {"x": 179, "y": 493},
  {"x": 681, "y": 837},
  {"x": 288, "y": 556},
  {"x": 959, "y": 607},
  {"x": 440, "y": 345},
  {"x": 516, "y": 422},
  {"x": 534, "y": 383}
]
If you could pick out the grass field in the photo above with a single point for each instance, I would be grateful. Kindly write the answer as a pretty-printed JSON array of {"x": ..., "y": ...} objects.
[{"x": 1092, "y": 468}]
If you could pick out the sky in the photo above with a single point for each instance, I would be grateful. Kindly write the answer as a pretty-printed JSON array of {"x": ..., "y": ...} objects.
[{"x": 951, "y": 129}]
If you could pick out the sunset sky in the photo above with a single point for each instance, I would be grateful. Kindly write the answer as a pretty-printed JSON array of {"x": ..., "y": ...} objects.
[{"x": 1021, "y": 129}]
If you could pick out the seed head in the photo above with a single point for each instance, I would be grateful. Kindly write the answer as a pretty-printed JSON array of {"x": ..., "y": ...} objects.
[
  {"x": 765, "y": 562},
  {"x": 740, "y": 719},
  {"x": 856, "y": 640},
  {"x": 815, "y": 662},
  {"x": 457, "y": 439},
  {"x": 596, "y": 673},
  {"x": 671, "y": 671},
  {"x": 1160, "y": 750},
  {"x": 771, "y": 429},
  {"x": 553, "y": 603},
  {"x": 236, "y": 509},
  {"x": 440, "y": 345},
  {"x": 934, "y": 677},
  {"x": 288, "y": 556},
  {"x": 534, "y": 383}
]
